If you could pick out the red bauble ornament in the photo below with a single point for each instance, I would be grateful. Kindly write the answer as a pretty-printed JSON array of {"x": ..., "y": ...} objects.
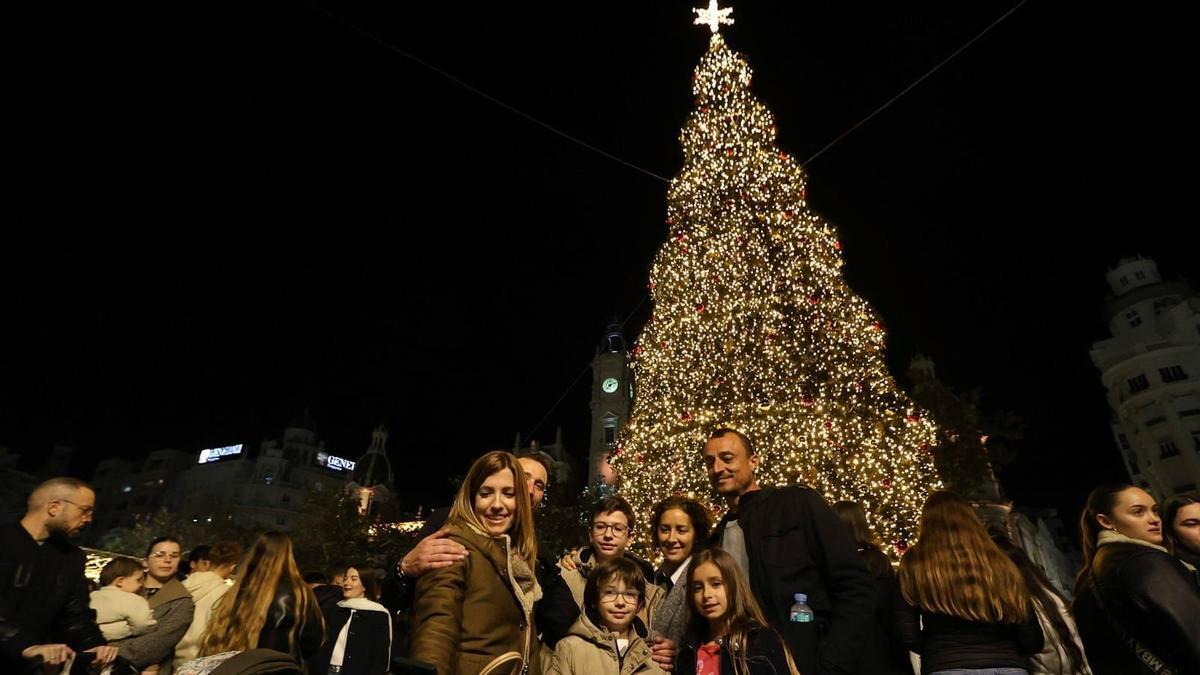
[
  {"x": 887, "y": 484},
  {"x": 828, "y": 424},
  {"x": 729, "y": 152},
  {"x": 812, "y": 300},
  {"x": 686, "y": 416},
  {"x": 837, "y": 244},
  {"x": 650, "y": 285},
  {"x": 806, "y": 399},
  {"x": 637, "y": 350},
  {"x": 924, "y": 449},
  {"x": 913, "y": 418},
  {"x": 901, "y": 546},
  {"x": 699, "y": 307}
]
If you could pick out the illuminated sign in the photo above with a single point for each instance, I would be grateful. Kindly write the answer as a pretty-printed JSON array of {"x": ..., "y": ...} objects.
[
  {"x": 335, "y": 463},
  {"x": 214, "y": 454}
]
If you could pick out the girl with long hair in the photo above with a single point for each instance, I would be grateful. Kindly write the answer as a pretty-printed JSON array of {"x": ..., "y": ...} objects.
[
  {"x": 478, "y": 614},
  {"x": 1182, "y": 532},
  {"x": 728, "y": 633},
  {"x": 679, "y": 526},
  {"x": 1137, "y": 607},
  {"x": 963, "y": 604},
  {"x": 1062, "y": 653},
  {"x": 358, "y": 638},
  {"x": 881, "y": 650},
  {"x": 268, "y": 607}
]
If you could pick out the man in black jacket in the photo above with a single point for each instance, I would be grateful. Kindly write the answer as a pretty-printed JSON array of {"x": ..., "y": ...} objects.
[
  {"x": 44, "y": 613},
  {"x": 788, "y": 540}
]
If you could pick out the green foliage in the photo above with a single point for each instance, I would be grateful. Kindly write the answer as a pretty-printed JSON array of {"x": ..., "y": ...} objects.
[
  {"x": 332, "y": 532},
  {"x": 133, "y": 541}
]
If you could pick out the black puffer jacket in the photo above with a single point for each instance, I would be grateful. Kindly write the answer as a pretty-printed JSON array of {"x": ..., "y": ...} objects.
[
  {"x": 1153, "y": 597},
  {"x": 796, "y": 544},
  {"x": 43, "y": 596}
]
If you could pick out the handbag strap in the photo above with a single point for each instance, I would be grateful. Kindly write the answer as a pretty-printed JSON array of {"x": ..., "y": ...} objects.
[{"x": 1140, "y": 651}]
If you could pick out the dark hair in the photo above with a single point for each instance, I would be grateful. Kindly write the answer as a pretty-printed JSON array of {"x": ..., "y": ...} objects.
[
  {"x": 315, "y": 578},
  {"x": 338, "y": 570},
  {"x": 617, "y": 569},
  {"x": 159, "y": 540},
  {"x": 854, "y": 518},
  {"x": 726, "y": 431},
  {"x": 118, "y": 567},
  {"x": 198, "y": 553},
  {"x": 1103, "y": 499},
  {"x": 224, "y": 553},
  {"x": 1044, "y": 594},
  {"x": 613, "y": 504},
  {"x": 701, "y": 522},
  {"x": 541, "y": 458},
  {"x": 1173, "y": 506},
  {"x": 369, "y": 581}
]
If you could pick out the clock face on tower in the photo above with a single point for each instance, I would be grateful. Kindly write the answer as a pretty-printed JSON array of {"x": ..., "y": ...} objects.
[{"x": 609, "y": 385}]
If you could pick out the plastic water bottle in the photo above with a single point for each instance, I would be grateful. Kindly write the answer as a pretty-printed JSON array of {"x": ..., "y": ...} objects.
[{"x": 801, "y": 612}]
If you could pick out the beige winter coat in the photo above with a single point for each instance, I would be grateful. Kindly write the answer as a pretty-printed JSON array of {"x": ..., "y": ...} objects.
[
  {"x": 206, "y": 588},
  {"x": 121, "y": 614},
  {"x": 576, "y": 580},
  {"x": 589, "y": 650}
]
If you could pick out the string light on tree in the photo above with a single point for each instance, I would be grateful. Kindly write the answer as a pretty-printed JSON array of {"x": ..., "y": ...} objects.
[{"x": 754, "y": 328}]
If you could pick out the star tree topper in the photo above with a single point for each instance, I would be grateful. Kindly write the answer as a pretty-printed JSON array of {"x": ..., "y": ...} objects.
[{"x": 713, "y": 15}]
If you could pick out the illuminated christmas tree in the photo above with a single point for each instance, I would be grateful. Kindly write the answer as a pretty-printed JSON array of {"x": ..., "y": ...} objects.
[{"x": 754, "y": 328}]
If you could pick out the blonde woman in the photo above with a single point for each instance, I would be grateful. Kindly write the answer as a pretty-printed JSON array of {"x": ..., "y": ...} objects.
[
  {"x": 963, "y": 605},
  {"x": 268, "y": 607},
  {"x": 479, "y": 613}
]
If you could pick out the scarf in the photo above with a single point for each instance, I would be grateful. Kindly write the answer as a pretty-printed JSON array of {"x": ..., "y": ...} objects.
[
  {"x": 1114, "y": 537},
  {"x": 357, "y": 605}
]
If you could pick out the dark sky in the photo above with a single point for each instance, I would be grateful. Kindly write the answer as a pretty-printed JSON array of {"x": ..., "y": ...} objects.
[{"x": 229, "y": 212}]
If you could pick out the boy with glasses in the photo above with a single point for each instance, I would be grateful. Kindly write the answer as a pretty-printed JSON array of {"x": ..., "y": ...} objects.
[{"x": 609, "y": 637}]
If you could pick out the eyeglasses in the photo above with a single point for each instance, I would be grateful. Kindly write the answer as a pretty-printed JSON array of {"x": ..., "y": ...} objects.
[
  {"x": 610, "y": 595},
  {"x": 164, "y": 555},
  {"x": 618, "y": 529},
  {"x": 82, "y": 509}
]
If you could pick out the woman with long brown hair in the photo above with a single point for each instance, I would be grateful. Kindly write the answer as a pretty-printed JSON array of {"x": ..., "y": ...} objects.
[
  {"x": 268, "y": 607},
  {"x": 1181, "y": 527},
  {"x": 478, "y": 613},
  {"x": 881, "y": 650},
  {"x": 728, "y": 633},
  {"x": 1137, "y": 607},
  {"x": 1062, "y": 653},
  {"x": 963, "y": 604}
]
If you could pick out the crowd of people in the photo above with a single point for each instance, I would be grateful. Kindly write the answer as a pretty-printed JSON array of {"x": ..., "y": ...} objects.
[{"x": 784, "y": 583}]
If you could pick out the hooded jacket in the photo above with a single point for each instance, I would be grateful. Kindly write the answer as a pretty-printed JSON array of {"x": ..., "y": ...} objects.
[
  {"x": 591, "y": 650},
  {"x": 205, "y": 588},
  {"x": 469, "y": 614}
]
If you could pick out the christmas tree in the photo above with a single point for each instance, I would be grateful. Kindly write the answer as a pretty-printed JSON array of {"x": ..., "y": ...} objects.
[{"x": 754, "y": 328}]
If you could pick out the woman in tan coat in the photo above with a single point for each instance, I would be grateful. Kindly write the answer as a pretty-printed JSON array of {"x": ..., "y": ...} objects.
[{"x": 479, "y": 613}]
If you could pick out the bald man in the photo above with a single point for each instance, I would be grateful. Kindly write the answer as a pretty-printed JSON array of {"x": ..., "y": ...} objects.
[{"x": 44, "y": 613}]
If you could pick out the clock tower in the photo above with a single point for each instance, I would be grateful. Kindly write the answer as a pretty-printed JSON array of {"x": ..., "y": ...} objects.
[{"x": 612, "y": 397}]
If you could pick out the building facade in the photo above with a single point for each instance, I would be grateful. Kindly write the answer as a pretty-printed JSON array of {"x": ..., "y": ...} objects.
[{"x": 1150, "y": 367}]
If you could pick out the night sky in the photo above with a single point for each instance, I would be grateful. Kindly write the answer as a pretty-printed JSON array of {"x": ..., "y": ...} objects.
[{"x": 230, "y": 212}]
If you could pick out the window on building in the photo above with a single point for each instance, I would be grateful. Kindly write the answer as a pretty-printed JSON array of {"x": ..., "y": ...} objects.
[
  {"x": 1139, "y": 275},
  {"x": 1124, "y": 281},
  {"x": 1186, "y": 487},
  {"x": 268, "y": 479},
  {"x": 1172, "y": 374},
  {"x": 280, "y": 520},
  {"x": 1167, "y": 449},
  {"x": 1190, "y": 412},
  {"x": 1123, "y": 440},
  {"x": 1133, "y": 318},
  {"x": 610, "y": 435},
  {"x": 1133, "y": 464},
  {"x": 286, "y": 499},
  {"x": 1139, "y": 383},
  {"x": 1154, "y": 421},
  {"x": 1196, "y": 440}
]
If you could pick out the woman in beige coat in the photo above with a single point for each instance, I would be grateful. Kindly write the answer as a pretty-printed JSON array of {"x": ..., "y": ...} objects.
[{"x": 478, "y": 613}]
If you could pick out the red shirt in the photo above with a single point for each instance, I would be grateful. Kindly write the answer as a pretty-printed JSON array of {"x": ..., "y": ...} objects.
[{"x": 708, "y": 659}]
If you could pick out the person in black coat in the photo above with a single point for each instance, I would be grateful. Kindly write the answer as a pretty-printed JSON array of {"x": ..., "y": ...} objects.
[
  {"x": 881, "y": 651},
  {"x": 788, "y": 540},
  {"x": 962, "y": 603},
  {"x": 44, "y": 607},
  {"x": 1135, "y": 604},
  {"x": 358, "y": 630}
]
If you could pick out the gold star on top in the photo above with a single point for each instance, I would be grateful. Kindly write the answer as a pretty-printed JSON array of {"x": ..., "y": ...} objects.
[{"x": 713, "y": 15}]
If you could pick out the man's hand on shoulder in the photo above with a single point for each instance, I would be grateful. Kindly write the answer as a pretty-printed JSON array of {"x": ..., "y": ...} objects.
[{"x": 431, "y": 553}]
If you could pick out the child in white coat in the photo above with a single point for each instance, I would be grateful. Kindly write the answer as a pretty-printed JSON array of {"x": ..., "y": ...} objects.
[{"x": 120, "y": 611}]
